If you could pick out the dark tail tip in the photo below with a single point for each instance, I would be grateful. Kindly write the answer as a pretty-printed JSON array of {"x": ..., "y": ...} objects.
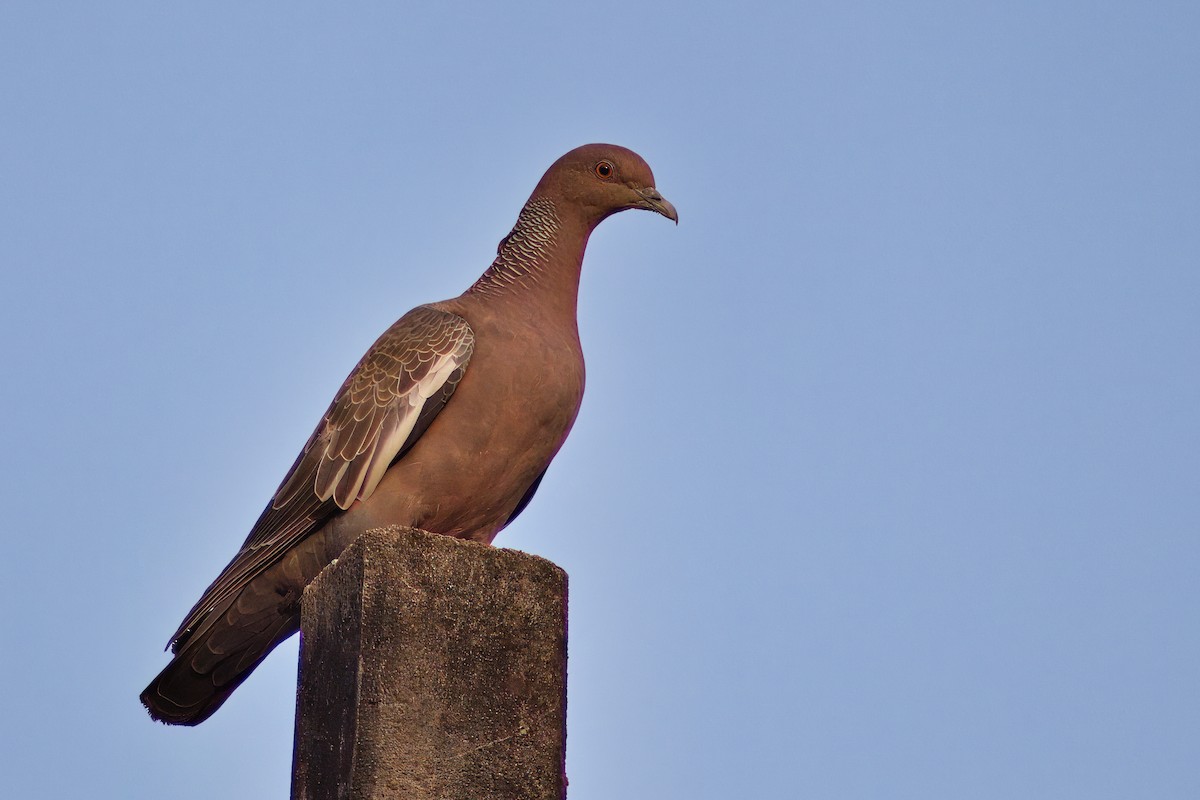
[{"x": 173, "y": 707}]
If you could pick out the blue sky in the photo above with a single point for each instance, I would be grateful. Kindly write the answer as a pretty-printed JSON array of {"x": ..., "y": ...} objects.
[{"x": 886, "y": 481}]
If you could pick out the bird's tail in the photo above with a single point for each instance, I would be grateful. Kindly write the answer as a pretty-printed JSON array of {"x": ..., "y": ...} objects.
[{"x": 217, "y": 656}]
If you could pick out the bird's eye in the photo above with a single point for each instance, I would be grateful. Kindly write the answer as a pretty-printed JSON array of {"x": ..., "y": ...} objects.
[{"x": 605, "y": 170}]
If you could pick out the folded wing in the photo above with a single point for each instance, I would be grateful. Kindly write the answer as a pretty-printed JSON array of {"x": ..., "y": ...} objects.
[{"x": 384, "y": 406}]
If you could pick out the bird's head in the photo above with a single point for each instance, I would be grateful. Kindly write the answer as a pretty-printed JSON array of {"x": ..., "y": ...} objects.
[{"x": 602, "y": 179}]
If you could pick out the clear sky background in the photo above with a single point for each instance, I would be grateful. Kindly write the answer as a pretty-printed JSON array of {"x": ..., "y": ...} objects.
[{"x": 887, "y": 481}]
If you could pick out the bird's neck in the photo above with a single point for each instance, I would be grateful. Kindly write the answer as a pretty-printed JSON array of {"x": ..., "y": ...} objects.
[{"x": 542, "y": 255}]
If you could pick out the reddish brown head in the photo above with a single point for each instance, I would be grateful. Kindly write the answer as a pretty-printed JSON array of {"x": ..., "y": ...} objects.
[{"x": 600, "y": 180}]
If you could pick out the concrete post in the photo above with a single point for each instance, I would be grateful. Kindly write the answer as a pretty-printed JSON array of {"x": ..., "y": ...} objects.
[{"x": 432, "y": 669}]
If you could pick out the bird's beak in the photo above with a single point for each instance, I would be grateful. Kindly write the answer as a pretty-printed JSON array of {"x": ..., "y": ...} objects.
[{"x": 653, "y": 201}]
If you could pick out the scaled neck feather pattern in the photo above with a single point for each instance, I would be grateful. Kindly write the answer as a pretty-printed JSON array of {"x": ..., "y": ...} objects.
[{"x": 523, "y": 255}]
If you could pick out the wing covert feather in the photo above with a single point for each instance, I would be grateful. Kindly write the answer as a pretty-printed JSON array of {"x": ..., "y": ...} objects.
[{"x": 376, "y": 412}]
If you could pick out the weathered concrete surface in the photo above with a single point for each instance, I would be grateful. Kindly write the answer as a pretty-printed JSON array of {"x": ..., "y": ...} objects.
[{"x": 432, "y": 669}]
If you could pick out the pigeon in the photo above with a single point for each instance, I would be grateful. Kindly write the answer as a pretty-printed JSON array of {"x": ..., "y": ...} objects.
[{"x": 447, "y": 424}]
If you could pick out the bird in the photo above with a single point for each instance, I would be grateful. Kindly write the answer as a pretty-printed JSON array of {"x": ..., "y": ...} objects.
[{"x": 448, "y": 424}]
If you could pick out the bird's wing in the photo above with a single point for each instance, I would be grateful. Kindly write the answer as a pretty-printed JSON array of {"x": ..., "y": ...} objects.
[{"x": 384, "y": 406}]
